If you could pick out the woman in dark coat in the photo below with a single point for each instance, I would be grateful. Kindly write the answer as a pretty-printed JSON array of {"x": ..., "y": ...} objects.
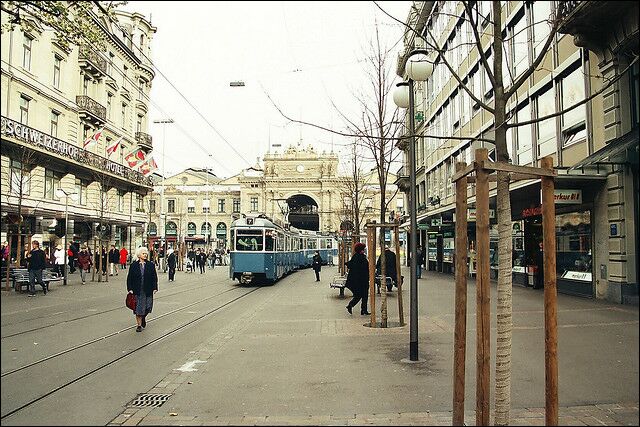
[
  {"x": 358, "y": 279},
  {"x": 142, "y": 281},
  {"x": 317, "y": 265}
]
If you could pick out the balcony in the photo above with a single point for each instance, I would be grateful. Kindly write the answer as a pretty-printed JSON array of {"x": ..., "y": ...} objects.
[
  {"x": 402, "y": 179},
  {"x": 92, "y": 63},
  {"x": 91, "y": 110},
  {"x": 589, "y": 22},
  {"x": 144, "y": 140}
]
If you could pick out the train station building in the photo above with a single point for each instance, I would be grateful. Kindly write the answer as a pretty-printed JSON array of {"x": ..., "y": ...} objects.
[{"x": 298, "y": 185}]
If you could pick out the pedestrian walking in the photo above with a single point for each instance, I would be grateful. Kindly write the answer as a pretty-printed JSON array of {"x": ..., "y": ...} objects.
[
  {"x": 316, "y": 263},
  {"x": 4, "y": 252},
  {"x": 172, "y": 260},
  {"x": 201, "y": 259},
  {"x": 36, "y": 263},
  {"x": 84, "y": 263},
  {"x": 114, "y": 260},
  {"x": 72, "y": 252},
  {"x": 358, "y": 279},
  {"x": 124, "y": 254},
  {"x": 142, "y": 281},
  {"x": 59, "y": 260},
  {"x": 419, "y": 261}
]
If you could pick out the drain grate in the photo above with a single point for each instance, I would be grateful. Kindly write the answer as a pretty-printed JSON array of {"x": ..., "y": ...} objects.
[{"x": 149, "y": 400}]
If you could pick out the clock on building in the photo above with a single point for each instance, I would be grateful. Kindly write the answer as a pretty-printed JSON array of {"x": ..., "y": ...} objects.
[{"x": 300, "y": 168}]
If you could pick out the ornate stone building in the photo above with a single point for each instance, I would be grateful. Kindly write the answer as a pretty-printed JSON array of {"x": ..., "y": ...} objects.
[
  {"x": 299, "y": 185},
  {"x": 53, "y": 99}
]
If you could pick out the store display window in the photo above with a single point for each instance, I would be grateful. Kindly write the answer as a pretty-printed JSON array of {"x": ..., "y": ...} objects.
[{"x": 573, "y": 251}]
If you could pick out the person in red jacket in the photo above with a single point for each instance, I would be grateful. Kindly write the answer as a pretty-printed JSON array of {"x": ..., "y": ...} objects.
[{"x": 123, "y": 258}]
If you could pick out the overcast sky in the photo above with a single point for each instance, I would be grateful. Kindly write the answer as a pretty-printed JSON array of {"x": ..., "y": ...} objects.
[{"x": 303, "y": 54}]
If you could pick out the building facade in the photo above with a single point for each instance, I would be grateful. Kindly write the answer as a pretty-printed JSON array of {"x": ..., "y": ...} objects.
[
  {"x": 593, "y": 146},
  {"x": 299, "y": 186},
  {"x": 54, "y": 97}
]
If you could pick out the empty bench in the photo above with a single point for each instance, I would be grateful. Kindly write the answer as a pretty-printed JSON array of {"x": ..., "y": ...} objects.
[{"x": 339, "y": 282}]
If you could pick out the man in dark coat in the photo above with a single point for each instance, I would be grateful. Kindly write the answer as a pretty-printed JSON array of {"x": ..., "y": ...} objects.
[
  {"x": 316, "y": 263},
  {"x": 358, "y": 279},
  {"x": 171, "y": 264},
  {"x": 389, "y": 267},
  {"x": 36, "y": 263}
]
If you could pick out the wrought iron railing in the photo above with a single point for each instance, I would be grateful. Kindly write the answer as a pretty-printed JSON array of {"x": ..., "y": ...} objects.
[
  {"x": 92, "y": 106},
  {"x": 144, "y": 139},
  {"x": 566, "y": 7},
  {"x": 99, "y": 62}
]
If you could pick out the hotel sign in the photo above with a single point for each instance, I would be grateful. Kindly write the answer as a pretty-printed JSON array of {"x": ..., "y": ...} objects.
[{"x": 33, "y": 137}]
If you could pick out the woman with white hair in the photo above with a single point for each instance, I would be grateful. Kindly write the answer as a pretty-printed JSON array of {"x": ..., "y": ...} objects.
[{"x": 142, "y": 281}]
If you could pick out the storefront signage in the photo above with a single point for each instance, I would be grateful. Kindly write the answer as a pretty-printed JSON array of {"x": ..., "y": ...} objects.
[
  {"x": 532, "y": 211},
  {"x": 567, "y": 197},
  {"x": 518, "y": 269},
  {"x": 471, "y": 214},
  {"x": 423, "y": 226},
  {"x": 436, "y": 222},
  {"x": 34, "y": 137},
  {"x": 584, "y": 276}
]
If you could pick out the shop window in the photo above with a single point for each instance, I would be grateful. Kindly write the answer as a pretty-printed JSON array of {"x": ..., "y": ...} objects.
[{"x": 573, "y": 240}]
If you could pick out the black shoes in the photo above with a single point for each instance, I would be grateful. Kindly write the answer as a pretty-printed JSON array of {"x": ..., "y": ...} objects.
[
  {"x": 144, "y": 322},
  {"x": 139, "y": 329},
  {"x": 349, "y": 309}
]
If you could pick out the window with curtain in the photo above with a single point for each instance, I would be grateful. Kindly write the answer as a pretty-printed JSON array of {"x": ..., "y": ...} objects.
[
  {"x": 546, "y": 129},
  {"x": 206, "y": 208},
  {"x": 20, "y": 180},
  {"x": 572, "y": 88},
  {"x": 191, "y": 206},
  {"x": 54, "y": 123},
  {"x": 24, "y": 109},
  {"x": 26, "y": 51},
  {"x": 56, "y": 71},
  {"x": 540, "y": 18},
  {"x": 520, "y": 47},
  {"x": 523, "y": 133}
]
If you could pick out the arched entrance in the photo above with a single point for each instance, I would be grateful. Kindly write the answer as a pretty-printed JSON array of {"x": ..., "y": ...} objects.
[{"x": 303, "y": 212}]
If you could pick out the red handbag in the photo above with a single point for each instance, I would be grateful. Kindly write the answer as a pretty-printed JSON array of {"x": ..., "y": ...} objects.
[{"x": 130, "y": 301}]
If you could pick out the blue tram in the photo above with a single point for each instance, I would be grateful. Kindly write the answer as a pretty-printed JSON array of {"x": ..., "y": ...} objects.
[{"x": 263, "y": 250}]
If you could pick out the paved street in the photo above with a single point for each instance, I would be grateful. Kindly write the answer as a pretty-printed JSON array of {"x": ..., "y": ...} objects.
[{"x": 291, "y": 354}]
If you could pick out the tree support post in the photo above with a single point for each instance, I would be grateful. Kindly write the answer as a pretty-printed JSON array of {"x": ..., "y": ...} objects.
[
  {"x": 550, "y": 296},
  {"x": 396, "y": 231},
  {"x": 483, "y": 297},
  {"x": 371, "y": 245},
  {"x": 460, "y": 334}
]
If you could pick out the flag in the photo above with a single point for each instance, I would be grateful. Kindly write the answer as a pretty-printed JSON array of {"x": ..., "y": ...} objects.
[
  {"x": 93, "y": 140},
  {"x": 135, "y": 157},
  {"x": 113, "y": 147},
  {"x": 148, "y": 166}
]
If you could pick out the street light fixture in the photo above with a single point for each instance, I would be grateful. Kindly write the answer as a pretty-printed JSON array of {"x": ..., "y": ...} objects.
[
  {"x": 417, "y": 68},
  {"x": 62, "y": 193}
]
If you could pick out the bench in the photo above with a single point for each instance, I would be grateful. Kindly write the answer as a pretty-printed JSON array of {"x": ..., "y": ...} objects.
[
  {"x": 20, "y": 278},
  {"x": 339, "y": 282}
]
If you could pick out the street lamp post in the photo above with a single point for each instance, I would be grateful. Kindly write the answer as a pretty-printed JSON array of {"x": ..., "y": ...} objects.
[
  {"x": 416, "y": 69},
  {"x": 164, "y": 226},
  {"x": 61, "y": 193}
]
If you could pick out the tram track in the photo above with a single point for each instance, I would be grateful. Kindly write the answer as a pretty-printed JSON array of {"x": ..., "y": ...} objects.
[
  {"x": 119, "y": 307},
  {"x": 125, "y": 354}
]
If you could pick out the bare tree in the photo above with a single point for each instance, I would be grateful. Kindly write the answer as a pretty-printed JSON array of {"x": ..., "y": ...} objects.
[
  {"x": 352, "y": 192},
  {"x": 101, "y": 205}
]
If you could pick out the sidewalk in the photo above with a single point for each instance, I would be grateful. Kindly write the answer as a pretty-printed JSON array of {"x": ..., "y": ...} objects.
[{"x": 298, "y": 358}]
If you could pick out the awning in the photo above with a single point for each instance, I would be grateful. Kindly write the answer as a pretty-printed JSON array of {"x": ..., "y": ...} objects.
[{"x": 615, "y": 152}]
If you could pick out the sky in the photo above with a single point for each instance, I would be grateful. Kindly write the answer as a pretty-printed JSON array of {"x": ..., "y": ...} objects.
[{"x": 305, "y": 56}]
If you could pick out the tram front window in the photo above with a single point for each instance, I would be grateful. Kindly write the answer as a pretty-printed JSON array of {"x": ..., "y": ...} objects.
[{"x": 249, "y": 240}]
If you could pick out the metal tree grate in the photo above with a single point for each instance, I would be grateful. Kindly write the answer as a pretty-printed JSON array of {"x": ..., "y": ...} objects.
[{"x": 149, "y": 400}]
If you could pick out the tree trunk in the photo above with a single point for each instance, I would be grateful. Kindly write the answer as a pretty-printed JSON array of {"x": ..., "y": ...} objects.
[
  {"x": 383, "y": 282},
  {"x": 504, "y": 304}
]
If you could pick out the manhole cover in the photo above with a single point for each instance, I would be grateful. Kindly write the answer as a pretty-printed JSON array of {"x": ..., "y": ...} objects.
[{"x": 149, "y": 400}]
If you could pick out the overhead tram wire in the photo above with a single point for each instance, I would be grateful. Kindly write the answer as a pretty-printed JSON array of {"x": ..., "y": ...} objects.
[{"x": 169, "y": 81}]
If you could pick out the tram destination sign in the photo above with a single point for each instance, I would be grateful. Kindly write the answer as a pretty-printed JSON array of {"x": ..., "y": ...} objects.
[{"x": 33, "y": 137}]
